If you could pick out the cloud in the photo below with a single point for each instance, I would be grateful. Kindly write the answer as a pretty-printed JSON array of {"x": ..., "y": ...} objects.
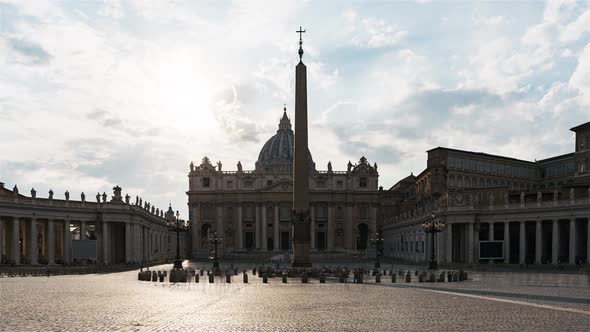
[
  {"x": 26, "y": 52},
  {"x": 110, "y": 120},
  {"x": 372, "y": 32}
]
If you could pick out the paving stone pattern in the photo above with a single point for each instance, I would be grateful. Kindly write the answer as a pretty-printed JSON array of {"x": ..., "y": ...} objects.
[{"x": 118, "y": 302}]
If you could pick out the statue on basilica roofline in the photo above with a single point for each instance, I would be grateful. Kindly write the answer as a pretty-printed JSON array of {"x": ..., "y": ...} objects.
[
  {"x": 219, "y": 166},
  {"x": 15, "y": 190},
  {"x": 83, "y": 197},
  {"x": 67, "y": 195},
  {"x": 329, "y": 166},
  {"x": 192, "y": 167},
  {"x": 127, "y": 198},
  {"x": 33, "y": 193},
  {"x": 98, "y": 197},
  {"x": 136, "y": 199},
  {"x": 349, "y": 166},
  {"x": 104, "y": 197},
  {"x": 140, "y": 202},
  {"x": 50, "y": 194},
  {"x": 539, "y": 196},
  {"x": 239, "y": 166},
  {"x": 375, "y": 166}
]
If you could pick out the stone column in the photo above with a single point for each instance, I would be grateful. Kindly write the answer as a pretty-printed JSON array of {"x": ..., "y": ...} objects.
[
  {"x": 263, "y": 224},
  {"x": 449, "y": 236},
  {"x": 240, "y": 234},
  {"x": 257, "y": 225},
  {"x": 538, "y": 241},
  {"x": 67, "y": 241},
  {"x": 50, "y": 242},
  {"x": 276, "y": 229},
  {"x": 15, "y": 242},
  {"x": 522, "y": 245},
  {"x": 472, "y": 244},
  {"x": 1, "y": 225},
  {"x": 554, "y": 242},
  {"x": 33, "y": 250},
  {"x": 330, "y": 236},
  {"x": 219, "y": 220},
  {"x": 106, "y": 243},
  {"x": 348, "y": 242},
  {"x": 572, "y": 244},
  {"x": 312, "y": 208},
  {"x": 82, "y": 230},
  {"x": 128, "y": 257},
  {"x": 588, "y": 241},
  {"x": 491, "y": 231},
  {"x": 506, "y": 242}
]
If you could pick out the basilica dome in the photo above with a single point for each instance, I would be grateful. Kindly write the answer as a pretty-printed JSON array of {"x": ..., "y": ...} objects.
[{"x": 276, "y": 155}]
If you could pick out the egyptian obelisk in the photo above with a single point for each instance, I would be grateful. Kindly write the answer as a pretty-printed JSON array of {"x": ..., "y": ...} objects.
[{"x": 301, "y": 212}]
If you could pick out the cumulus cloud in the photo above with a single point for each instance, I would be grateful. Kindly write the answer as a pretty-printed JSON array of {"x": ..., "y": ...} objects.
[{"x": 372, "y": 32}]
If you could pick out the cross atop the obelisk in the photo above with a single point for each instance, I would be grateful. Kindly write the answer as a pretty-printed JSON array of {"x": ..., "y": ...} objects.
[{"x": 300, "y": 32}]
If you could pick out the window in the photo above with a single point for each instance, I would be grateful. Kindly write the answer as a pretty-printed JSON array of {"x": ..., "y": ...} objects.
[
  {"x": 248, "y": 183},
  {"x": 230, "y": 184},
  {"x": 363, "y": 212},
  {"x": 206, "y": 212},
  {"x": 285, "y": 213},
  {"x": 321, "y": 184},
  {"x": 321, "y": 212},
  {"x": 339, "y": 184},
  {"x": 206, "y": 182},
  {"x": 363, "y": 182},
  {"x": 248, "y": 213}
]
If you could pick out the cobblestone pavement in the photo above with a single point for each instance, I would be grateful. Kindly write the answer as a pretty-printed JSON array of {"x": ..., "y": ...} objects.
[{"x": 489, "y": 302}]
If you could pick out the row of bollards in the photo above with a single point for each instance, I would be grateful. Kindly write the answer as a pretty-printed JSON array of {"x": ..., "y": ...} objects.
[{"x": 185, "y": 275}]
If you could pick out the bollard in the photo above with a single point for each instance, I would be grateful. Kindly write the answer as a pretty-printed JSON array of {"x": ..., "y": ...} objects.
[
  {"x": 393, "y": 277},
  {"x": 416, "y": 273},
  {"x": 154, "y": 276},
  {"x": 235, "y": 272},
  {"x": 254, "y": 271},
  {"x": 201, "y": 272},
  {"x": 228, "y": 278},
  {"x": 245, "y": 277},
  {"x": 265, "y": 278},
  {"x": 378, "y": 278},
  {"x": 322, "y": 278},
  {"x": 211, "y": 280},
  {"x": 304, "y": 279},
  {"x": 408, "y": 277},
  {"x": 196, "y": 278},
  {"x": 161, "y": 277},
  {"x": 441, "y": 277},
  {"x": 359, "y": 279},
  {"x": 450, "y": 276},
  {"x": 284, "y": 278},
  {"x": 455, "y": 276}
]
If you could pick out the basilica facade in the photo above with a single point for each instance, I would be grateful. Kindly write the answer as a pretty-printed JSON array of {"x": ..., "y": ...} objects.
[{"x": 252, "y": 209}]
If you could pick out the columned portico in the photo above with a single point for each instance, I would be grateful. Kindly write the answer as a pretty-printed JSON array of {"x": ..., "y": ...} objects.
[
  {"x": 506, "y": 242},
  {"x": 538, "y": 241},
  {"x": 33, "y": 250},
  {"x": 263, "y": 223},
  {"x": 15, "y": 242},
  {"x": 521, "y": 242},
  {"x": 555, "y": 242},
  {"x": 572, "y": 241},
  {"x": 276, "y": 228}
]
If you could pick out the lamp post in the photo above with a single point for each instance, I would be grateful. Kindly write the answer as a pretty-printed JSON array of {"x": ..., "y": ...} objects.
[
  {"x": 175, "y": 224},
  {"x": 215, "y": 240},
  {"x": 433, "y": 226},
  {"x": 377, "y": 242}
]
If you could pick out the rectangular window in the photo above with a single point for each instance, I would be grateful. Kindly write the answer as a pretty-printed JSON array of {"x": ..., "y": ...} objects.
[
  {"x": 321, "y": 184},
  {"x": 248, "y": 183},
  {"x": 363, "y": 182},
  {"x": 363, "y": 212},
  {"x": 321, "y": 212},
  {"x": 206, "y": 182},
  {"x": 206, "y": 212},
  {"x": 285, "y": 213}
]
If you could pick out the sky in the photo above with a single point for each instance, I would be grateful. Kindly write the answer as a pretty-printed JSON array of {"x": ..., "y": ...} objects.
[{"x": 95, "y": 94}]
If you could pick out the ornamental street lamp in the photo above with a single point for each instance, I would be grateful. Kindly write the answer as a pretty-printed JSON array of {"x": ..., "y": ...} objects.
[
  {"x": 377, "y": 242},
  {"x": 215, "y": 240},
  {"x": 433, "y": 226},
  {"x": 175, "y": 224}
]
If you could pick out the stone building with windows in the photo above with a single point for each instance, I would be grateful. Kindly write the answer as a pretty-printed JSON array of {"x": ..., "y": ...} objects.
[
  {"x": 35, "y": 230},
  {"x": 251, "y": 209},
  {"x": 497, "y": 209}
]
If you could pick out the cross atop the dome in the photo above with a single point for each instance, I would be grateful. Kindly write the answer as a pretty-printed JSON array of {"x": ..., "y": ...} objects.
[{"x": 300, "y": 32}]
